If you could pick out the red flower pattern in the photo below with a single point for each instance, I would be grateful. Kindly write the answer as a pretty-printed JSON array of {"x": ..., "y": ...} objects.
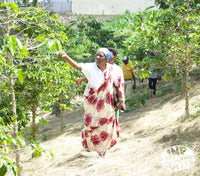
[
  {"x": 119, "y": 80},
  {"x": 101, "y": 154},
  {"x": 88, "y": 131},
  {"x": 105, "y": 73},
  {"x": 114, "y": 122},
  {"x": 102, "y": 87},
  {"x": 117, "y": 124},
  {"x": 92, "y": 100},
  {"x": 109, "y": 98},
  {"x": 88, "y": 119},
  {"x": 103, "y": 135},
  {"x": 92, "y": 91},
  {"x": 100, "y": 105},
  {"x": 103, "y": 121},
  {"x": 109, "y": 78},
  {"x": 95, "y": 140},
  {"x": 110, "y": 120},
  {"x": 117, "y": 133},
  {"x": 84, "y": 143},
  {"x": 94, "y": 127},
  {"x": 113, "y": 142},
  {"x": 111, "y": 68}
]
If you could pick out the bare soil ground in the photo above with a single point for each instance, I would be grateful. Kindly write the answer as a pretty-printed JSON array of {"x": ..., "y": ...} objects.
[{"x": 145, "y": 133}]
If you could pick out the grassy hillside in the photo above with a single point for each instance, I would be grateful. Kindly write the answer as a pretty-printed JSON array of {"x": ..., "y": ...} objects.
[{"x": 146, "y": 132}]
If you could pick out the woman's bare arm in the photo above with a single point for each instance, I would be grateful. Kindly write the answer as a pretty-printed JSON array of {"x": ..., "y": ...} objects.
[{"x": 69, "y": 60}]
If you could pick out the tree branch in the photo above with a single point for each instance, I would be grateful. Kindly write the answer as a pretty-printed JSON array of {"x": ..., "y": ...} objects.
[{"x": 32, "y": 48}]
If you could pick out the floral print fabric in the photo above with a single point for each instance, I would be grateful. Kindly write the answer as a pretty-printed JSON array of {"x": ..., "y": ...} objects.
[{"x": 101, "y": 128}]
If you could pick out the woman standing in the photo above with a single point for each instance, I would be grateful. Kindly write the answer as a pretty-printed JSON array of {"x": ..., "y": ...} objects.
[{"x": 101, "y": 127}]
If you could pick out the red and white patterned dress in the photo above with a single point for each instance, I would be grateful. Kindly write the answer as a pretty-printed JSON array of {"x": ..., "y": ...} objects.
[{"x": 101, "y": 127}]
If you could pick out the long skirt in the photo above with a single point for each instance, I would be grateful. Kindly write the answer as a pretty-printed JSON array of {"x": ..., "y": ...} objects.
[{"x": 101, "y": 127}]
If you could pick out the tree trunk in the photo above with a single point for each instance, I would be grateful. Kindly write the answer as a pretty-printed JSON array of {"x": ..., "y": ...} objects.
[
  {"x": 61, "y": 120},
  {"x": 34, "y": 128},
  {"x": 187, "y": 88},
  {"x": 61, "y": 113},
  {"x": 15, "y": 124},
  {"x": 34, "y": 3},
  {"x": 183, "y": 84}
]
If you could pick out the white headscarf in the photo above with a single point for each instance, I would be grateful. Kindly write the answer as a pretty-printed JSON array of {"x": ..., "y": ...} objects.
[{"x": 107, "y": 53}]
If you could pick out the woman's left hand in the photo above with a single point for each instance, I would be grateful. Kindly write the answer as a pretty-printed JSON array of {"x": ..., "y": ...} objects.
[{"x": 119, "y": 105}]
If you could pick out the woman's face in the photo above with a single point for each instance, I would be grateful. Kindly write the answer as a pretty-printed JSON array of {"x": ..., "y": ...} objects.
[{"x": 100, "y": 58}]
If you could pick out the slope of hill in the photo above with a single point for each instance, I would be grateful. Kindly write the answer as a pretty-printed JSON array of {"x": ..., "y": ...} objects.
[{"x": 146, "y": 132}]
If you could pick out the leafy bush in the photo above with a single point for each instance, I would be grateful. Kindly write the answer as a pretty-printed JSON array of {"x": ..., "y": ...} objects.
[{"x": 137, "y": 98}]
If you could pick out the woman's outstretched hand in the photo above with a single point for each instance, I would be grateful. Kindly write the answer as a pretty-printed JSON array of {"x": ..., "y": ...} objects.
[
  {"x": 69, "y": 60},
  {"x": 61, "y": 54}
]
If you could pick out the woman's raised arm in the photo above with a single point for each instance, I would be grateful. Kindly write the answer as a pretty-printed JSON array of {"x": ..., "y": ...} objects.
[{"x": 69, "y": 60}]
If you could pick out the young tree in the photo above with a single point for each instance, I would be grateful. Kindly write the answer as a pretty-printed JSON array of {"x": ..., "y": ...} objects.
[
  {"x": 27, "y": 36},
  {"x": 174, "y": 33},
  {"x": 183, "y": 46}
]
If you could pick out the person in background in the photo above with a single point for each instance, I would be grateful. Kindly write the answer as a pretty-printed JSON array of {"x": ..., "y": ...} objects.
[
  {"x": 101, "y": 128},
  {"x": 152, "y": 82},
  {"x": 120, "y": 75},
  {"x": 154, "y": 76},
  {"x": 129, "y": 77}
]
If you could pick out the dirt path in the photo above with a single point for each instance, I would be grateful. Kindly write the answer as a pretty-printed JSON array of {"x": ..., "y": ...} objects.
[{"x": 146, "y": 132}]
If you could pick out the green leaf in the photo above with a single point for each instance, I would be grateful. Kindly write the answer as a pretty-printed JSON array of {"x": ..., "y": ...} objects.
[
  {"x": 20, "y": 76},
  {"x": 37, "y": 153},
  {"x": 21, "y": 141},
  {"x": 54, "y": 45},
  {"x": 13, "y": 6},
  {"x": 12, "y": 45},
  {"x": 19, "y": 43},
  {"x": 51, "y": 44},
  {"x": 48, "y": 153},
  {"x": 58, "y": 45},
  {"x": 14, "y": 141},
  {"x": 148, "y": 8},
  {"x": 3, "y": 170},
  {"x": 24, "y": 50},
  {"x": 15, "y": 170},
  {"x": 2, "y": 59},
  {"x": 43, "y": 122},
  {"x": 40, "y": 38},
  {"x": 166, "y": 77},
  {"x": 185, "y": 25}
]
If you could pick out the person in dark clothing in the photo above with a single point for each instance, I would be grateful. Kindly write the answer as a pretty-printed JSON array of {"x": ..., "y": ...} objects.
[
  {"x": 154, "y": 76},
  {"x": 152, "y": 83}
]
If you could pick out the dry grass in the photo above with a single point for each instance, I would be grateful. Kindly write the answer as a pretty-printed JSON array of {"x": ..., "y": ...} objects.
[{"x": 145, "y": 133}]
